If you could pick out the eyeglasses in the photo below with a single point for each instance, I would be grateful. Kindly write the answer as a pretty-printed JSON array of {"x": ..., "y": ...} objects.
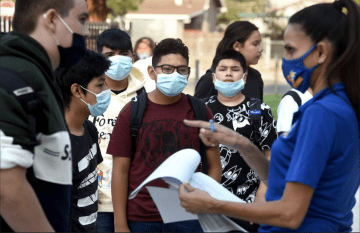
[{"x": 169, "y": 69}]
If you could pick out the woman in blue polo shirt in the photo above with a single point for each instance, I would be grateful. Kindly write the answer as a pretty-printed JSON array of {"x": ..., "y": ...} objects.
[{"x": 314, "y": 169}]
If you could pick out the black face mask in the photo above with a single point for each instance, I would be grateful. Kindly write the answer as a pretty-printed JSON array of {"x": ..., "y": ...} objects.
[{"x": 72, "y": 55}]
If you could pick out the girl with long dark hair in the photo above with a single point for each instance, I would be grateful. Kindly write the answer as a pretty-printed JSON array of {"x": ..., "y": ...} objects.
[{"x": 243, "y": 37}]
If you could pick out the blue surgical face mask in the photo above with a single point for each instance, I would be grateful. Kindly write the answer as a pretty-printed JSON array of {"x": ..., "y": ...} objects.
[
  {"x": 102, "y": 102},
  {"x": 72, "y": 55},
  {"x": 229, "y": 89},
  {"x": 296, "y": 73},
  {"x": 171, "y": 84},
  {"x": 143, "y": 55},
  {"x": 120, "y": 67}
]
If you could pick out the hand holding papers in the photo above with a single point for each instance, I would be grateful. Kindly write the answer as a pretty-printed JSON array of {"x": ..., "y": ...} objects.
[{"x": 177, "y": 169}]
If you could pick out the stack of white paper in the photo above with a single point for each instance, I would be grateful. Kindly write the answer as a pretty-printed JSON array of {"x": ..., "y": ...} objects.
[{"x": 167, "y": 200}]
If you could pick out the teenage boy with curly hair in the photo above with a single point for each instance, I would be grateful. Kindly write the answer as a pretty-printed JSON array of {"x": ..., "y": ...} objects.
[{"x": 161, "y": 134}]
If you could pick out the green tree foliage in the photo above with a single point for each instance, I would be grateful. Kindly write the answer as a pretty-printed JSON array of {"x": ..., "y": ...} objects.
[
  {"x": 121, "y": 7},
  {"x": 241, "y": 6},
  {"x": 100, "y": 9},
  {"x": 233, "y": 7}
]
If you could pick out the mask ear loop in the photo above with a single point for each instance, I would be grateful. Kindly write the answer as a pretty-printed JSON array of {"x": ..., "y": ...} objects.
[
  {"x": 67, "y": 26},
  {"x": 88, "y": 91},
  {"x": 57, "y": 42}
]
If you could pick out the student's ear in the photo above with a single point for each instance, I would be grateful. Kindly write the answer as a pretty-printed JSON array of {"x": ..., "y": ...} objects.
[
  {"x": 152, "y": 73},
  {"x": 213, "y": 77},
  {"x": 237, "y": 46},
  {"x": 76, "y": 90},
  {"x": 245, "y": 77},
  {"x": 49, "y": 18}
]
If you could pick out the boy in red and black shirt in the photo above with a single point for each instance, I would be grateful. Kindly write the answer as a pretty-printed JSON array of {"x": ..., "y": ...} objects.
[{"x": 161, "y": 134}]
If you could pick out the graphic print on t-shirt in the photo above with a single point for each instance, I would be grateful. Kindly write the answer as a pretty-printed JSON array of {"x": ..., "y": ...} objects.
[
  {"x": 86, "y": 157},
  {"x": 163, "y": 138},
  {"x": 237, "y": 176}
]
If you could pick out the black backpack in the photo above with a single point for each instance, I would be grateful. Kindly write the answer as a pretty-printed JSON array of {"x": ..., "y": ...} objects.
[
  {"x": 295, "y": 96},
  {"x": 15, "y": 85},
  {"x": 255, "y": 119},
  {"x": 137, "y": 112}
]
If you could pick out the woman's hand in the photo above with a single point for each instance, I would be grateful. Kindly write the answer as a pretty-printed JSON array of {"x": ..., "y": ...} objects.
[
  {"x": 195, "y": 200},
  {"x": 226, "y": 136},
  {"x": 223, "y": 135}
]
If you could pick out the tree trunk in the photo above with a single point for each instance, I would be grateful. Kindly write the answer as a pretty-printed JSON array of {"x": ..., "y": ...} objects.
[{"x": 97, "y": 10}]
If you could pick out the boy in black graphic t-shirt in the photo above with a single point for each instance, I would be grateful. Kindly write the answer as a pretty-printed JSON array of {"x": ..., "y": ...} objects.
[
  {"x": 84, "y": 92},
  {"x": 231, "y": 108}
]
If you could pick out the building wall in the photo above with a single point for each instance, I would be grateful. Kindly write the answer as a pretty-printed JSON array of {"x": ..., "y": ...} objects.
[
  {"x": 212, "y": 16},
  {"x": 157, "y": 29},
  {"x": 196, "y": 23}
]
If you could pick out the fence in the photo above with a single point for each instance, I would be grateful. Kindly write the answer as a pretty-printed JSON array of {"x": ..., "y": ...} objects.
[
  {"x": 95, "y": 29},
  {"x": 5, "y": 24}
]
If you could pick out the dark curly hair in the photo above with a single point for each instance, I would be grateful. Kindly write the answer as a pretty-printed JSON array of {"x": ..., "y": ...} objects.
[
  {"x": 170, "y": 46},
  {"x": 90, "y": 66}
]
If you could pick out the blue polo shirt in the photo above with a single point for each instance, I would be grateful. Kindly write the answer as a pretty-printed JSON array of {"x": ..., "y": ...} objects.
[{"x": 321, "y": 151}]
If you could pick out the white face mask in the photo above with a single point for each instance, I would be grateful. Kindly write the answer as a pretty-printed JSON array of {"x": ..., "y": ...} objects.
[{"x": 120, "y": 67}]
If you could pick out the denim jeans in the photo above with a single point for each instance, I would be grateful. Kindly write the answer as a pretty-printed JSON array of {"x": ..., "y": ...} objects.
[
  {"x": 106, "y": 222},
  {"x": 185, "y": 226}
]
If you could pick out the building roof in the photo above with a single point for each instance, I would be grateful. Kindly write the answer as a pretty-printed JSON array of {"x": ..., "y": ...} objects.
[{"x": 191, "y": 8}]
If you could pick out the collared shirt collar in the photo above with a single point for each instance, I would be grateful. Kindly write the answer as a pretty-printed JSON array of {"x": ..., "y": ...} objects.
[{"x": 336, "y": 87}]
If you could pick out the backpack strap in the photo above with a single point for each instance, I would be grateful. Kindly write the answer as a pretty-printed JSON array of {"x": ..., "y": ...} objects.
[
  {"x": 295, "y": 96},
  {"x": 200, "y": 113},
  {"x": 255, "y": 118},
  {"x": 15, "y": 85},
  {"x": 140, "y": 91},
  {"x": 138, "y": 106}
]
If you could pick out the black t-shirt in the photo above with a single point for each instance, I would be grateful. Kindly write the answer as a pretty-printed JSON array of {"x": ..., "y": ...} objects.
[
  {"x": 86, "y": 156},
  {"x": 254, "y": 86},
  {"x": 237, "y": 176}
]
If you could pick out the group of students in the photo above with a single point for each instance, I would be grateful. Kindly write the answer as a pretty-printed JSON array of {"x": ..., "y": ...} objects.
[{"x": 80, "y": 181}]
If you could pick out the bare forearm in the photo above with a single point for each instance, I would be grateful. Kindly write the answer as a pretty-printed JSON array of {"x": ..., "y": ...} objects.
[
  {"x": 252, "y": 156},
  {"x": 288, "y": 212},
  {"x": 269, "y": 213},
  {"x": 119, "y": 197},
  {"x": 21, "y": 209},
  {"x": 213, "y": 158},
  {"x": 260, "y": 194},
  {"x": 215, "y": 173}
]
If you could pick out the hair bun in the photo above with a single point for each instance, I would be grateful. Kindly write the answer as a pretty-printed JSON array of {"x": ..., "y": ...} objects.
[{"x": 339, "y": 5}]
